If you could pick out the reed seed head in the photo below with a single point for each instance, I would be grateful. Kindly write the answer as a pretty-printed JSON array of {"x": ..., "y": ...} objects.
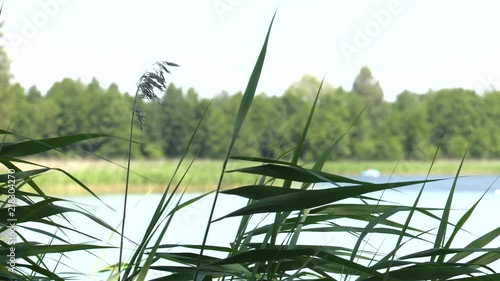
[
  {"x": 154, "y": 79},
  {"x": 151, "y": 80}
]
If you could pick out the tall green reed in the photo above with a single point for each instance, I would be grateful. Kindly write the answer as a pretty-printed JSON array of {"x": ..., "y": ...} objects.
[
  {"x": 149, "y": 82},
  {"x": 245, "y": 105}
]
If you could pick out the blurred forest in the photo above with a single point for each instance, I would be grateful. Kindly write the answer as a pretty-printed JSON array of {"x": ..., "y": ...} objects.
[{"x": 409, "y": 128}]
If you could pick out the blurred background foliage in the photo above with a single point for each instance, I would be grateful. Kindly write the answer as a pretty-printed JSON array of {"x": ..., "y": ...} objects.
[{"x": 409, "y": 128}]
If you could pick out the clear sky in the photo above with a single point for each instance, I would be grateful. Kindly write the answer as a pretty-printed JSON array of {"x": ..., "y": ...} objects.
[{"x": 413, "y": 45}]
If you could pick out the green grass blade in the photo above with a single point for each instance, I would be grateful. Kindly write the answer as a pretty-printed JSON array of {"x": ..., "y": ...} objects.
[
  {"x": 156, "y": 221},
  {"x": 485, "y": 259},
  {"x": 262, "y": 160},
  {"x": 26, "y": 176},
  {"x": 141, "y": 276},
  {"x": 253, "y": 256},
  {"x": 257, "y": 192},
  {"x": 22, "y": 175},
  {"x": 370, "y": 226},
  {"x": 441, "y": 234},
  {"x": 164, "y": 202},
  {"x": 464, "y": 219},
  {"x": 429, "y": 271},
  {"x": 32, "y": 147},
  {"x": 295, "y": 158},
  {"x": 406, "y": 226},
  {"x": 45, "y": 209},
  {"x": 249, "y": 94},
  {"x": 477, "y": 244},
  {"x": 318, "y": 165},
  {"x": 295, "y": 173},
  {"x": 152, "y": 250},
  {"x": 305, "y": 199},
  {"x": 325, "y": 156},
  {"x": 24, "y": 250},
  {"x": 489, "y": 277},
  {"x": 448, "y": 251},
  {"x": 289, "y": 223},
  {"x": 242, "y": 112},
  {"x": 298, "y": 150}
]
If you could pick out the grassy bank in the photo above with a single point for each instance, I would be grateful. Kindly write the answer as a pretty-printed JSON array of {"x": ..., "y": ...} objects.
[{"x": 151, "y": 176}]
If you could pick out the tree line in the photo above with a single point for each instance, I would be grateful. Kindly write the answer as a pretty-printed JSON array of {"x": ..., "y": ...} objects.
[{"x": 412, "y": 127}]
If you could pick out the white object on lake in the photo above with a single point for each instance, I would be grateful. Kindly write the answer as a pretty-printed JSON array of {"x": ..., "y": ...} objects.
[{"x": 371, "y": 173}]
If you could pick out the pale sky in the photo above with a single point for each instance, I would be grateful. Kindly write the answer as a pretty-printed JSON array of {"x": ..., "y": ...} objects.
[{"x": 414, "y": 45}]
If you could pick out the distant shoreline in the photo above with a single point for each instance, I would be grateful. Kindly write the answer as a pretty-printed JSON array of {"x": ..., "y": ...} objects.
[{"x": 103, "y": 177}]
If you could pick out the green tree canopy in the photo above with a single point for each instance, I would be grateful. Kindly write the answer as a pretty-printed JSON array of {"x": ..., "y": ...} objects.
[{"x": 367, "y": 87}]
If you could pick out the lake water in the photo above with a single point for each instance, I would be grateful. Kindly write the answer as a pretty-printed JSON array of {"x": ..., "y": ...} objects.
[{"x": 189, "y": 224}]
